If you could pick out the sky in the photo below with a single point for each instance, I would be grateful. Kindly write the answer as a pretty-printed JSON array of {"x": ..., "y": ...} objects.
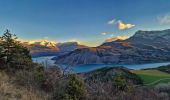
[{"x": 90, "y": 22}]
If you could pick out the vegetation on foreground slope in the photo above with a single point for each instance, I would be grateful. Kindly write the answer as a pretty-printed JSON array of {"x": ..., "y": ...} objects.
[
  {"x": 22, "y": 79},
  {"x": 11, "y": 91}
]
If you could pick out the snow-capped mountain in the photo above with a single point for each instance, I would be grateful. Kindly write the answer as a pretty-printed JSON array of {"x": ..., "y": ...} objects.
[
  {"x": 45, "y": 43},
  {"x": 48, "y": 48}
]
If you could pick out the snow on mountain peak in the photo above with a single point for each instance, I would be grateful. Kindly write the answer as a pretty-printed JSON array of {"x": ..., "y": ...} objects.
[{"x": 43, "y": 43}]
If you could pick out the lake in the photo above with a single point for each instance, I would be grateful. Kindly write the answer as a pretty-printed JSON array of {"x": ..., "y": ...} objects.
[
  {"x": 44, "y": 60},
  {"x": 89, "y": 67}
]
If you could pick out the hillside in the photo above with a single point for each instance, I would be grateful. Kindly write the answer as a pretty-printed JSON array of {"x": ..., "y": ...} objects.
[
  {"x": 10, "y": 91},
  {"x": 108, "y": 74}
]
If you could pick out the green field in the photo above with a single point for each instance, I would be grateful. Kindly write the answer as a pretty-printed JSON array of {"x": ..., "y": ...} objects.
[{"x": 153, "y": 77}]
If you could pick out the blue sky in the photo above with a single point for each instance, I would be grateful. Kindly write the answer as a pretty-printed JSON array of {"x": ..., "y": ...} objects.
[{"x": 88, "y": 21}]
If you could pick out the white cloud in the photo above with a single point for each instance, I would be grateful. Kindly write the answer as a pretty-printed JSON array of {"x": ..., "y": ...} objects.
[
  {"x": 112, "y": 22},
  {"x": 120, "y": 24},
  {"x": 104, "y": 33},
  {"x": 164, "y": 19},
  {"x": 123, "y": 26}
]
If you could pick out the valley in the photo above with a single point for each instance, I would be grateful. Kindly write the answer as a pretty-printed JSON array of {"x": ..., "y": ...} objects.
[{"x": 85, "y": 50}]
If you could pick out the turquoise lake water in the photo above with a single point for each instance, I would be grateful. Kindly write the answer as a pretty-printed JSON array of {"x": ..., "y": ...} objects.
[{"x": 89, "y": 67}]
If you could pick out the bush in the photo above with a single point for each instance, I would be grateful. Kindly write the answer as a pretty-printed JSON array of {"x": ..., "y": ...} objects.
[
  {"x": 75, "y": 89},
  {"x": 34, "y": 77},
  {"x": 40, "y": 75},
  {"x": 119, "y": 82}
]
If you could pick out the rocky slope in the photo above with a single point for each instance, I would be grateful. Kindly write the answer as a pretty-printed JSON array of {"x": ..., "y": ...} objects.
[{"x": 142, "y": 47}]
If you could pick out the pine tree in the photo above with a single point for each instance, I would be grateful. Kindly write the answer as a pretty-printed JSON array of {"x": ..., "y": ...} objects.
[{"x": 11, "y": 49}]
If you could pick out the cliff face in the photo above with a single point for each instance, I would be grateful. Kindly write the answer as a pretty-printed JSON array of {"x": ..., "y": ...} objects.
[{"x": 142, "y": 47}]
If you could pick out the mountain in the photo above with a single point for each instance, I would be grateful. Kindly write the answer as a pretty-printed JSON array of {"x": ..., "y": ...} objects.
[
  {"x": 142, "y": 47},
  {"x": 117, "y": 38},
  {"x": 42, "y": 48},
  {"x": 69, "y": 46},
  {"x": 43, "y": 43},
  {"x": 49, "y": 48}
]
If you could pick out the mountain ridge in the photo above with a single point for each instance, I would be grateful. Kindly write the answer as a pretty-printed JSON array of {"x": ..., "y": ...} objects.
[
  {"x": 49, "y": 48},
  {"x": 142, "y": 47}
]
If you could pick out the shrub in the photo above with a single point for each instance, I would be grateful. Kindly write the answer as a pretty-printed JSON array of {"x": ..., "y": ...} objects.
[
  {"x": 34, "y": 77},
  {"x": 75, "y": 89},
  {"x": 119, "y": 82},
  {"x": 71, "y": 88},
  {"x": 40, "y": 76}
]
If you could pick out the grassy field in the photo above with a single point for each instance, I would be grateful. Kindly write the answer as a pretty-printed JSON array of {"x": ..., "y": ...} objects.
[{"x": 153, "y": 77}]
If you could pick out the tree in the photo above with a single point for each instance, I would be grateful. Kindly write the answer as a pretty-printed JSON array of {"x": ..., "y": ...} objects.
[
  {"x": 75, "y": 88},
  {"x": 1, "y": 50},
  {"x": 11, "y": 49},
  {"x": 119, "y": 82}
]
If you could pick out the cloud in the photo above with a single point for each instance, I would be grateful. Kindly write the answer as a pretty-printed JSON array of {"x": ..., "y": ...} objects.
[
  {"x": 112, "y": 22},
  {"x": 120, "y": 24},
  {"x": 123, "y": 26},
  {"x": 117, "y": 38},
  {"x": 164, "y": 19},
  {"x": 104, "y": 33}
]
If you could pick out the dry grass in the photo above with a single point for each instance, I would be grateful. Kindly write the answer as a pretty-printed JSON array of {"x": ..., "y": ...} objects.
[{"x": 10, "y": 91}]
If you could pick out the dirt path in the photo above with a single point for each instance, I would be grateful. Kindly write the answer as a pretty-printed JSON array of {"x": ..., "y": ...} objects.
[{"x": 157, "y": 81}]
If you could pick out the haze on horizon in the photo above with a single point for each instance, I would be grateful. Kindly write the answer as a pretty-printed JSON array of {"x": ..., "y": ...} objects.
[{"x": 89, "y": 22}]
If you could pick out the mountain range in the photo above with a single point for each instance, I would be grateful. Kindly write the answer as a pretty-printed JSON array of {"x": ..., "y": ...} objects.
[
  {"x": 49, "y": 48},
  {"x": 142, "y": 47}
]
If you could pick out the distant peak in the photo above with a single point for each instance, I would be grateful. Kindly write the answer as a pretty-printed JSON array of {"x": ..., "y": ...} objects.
[{"x": 117, "y": 38}]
